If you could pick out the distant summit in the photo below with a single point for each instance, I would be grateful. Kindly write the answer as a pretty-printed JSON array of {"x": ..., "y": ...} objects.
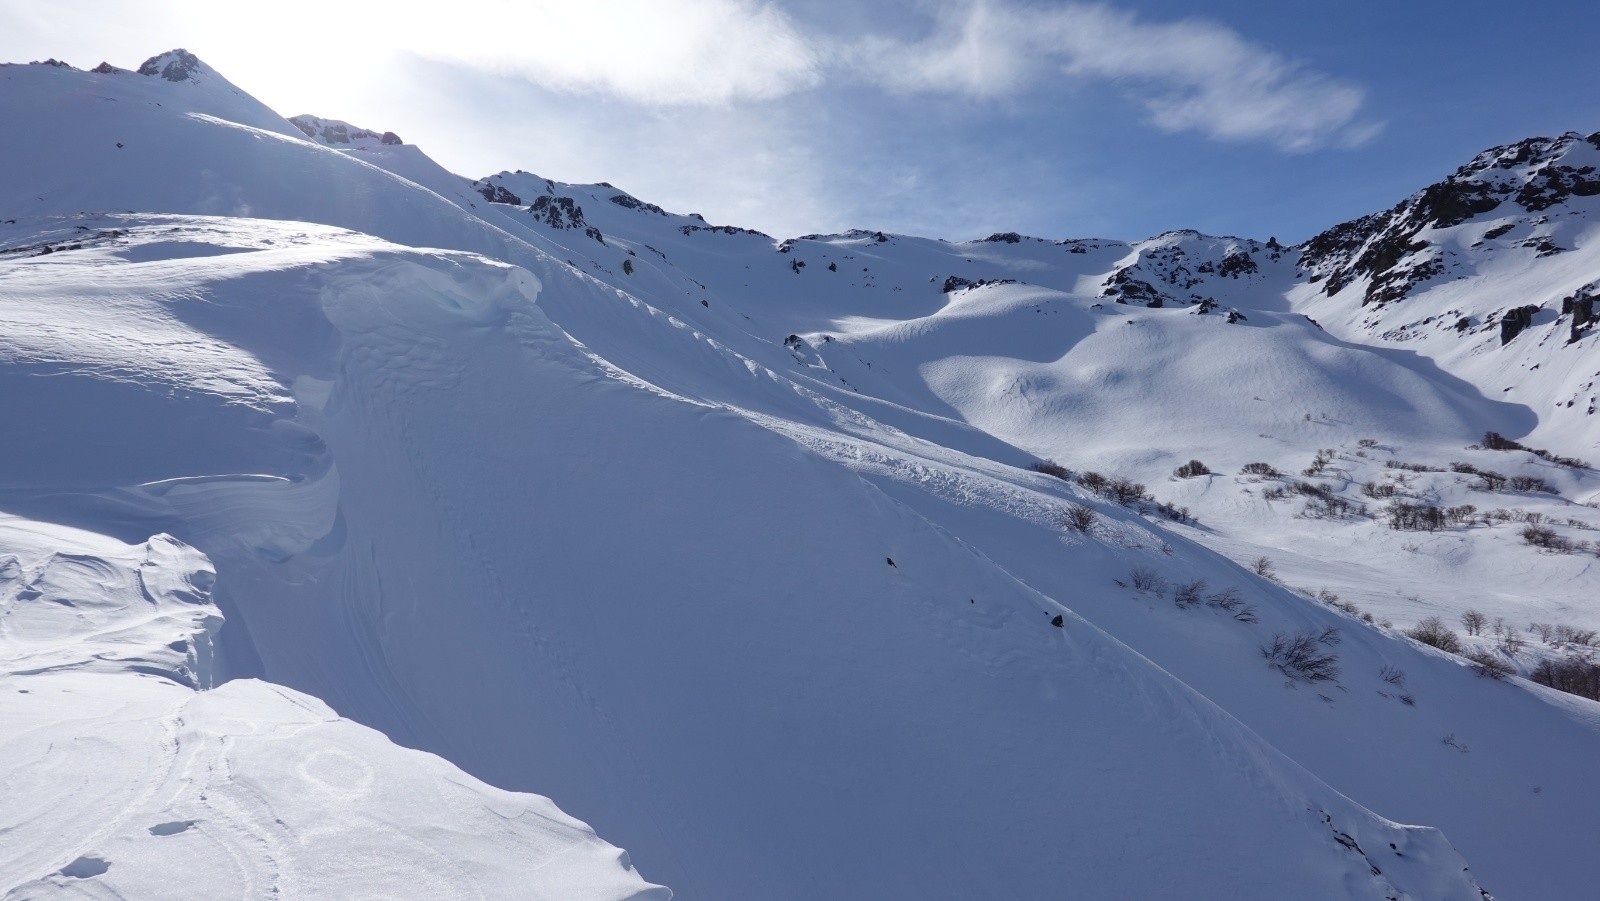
[{"x": 175, "y": 65}]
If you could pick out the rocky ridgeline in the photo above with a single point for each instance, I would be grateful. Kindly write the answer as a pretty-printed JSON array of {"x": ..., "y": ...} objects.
[
  {"x": 1176, "y": 269},
  {"x": 335, "y": 133},
  {"x": 1393, "y": 250}
]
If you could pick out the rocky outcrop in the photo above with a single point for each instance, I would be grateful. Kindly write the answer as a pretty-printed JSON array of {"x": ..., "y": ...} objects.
[
  {"x": 174, "y": 65},
  {"x": 1515, "y": 321},
  {"x": 557, "y": 212},
  {"x": 1392, "y": 250}
]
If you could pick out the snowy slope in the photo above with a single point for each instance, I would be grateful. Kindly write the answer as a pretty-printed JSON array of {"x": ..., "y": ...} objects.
[
  {"x": 729, "y": 545},
  {"x": 121, "y": 779}
]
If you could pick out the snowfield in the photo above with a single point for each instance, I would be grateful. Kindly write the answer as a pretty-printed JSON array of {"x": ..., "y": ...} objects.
[{"x": 736, "y": 548}]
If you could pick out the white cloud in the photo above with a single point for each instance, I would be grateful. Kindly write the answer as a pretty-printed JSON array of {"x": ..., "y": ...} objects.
[
  {"x": 665, "y": 52},
  {"x": 1190, "y": 75}
]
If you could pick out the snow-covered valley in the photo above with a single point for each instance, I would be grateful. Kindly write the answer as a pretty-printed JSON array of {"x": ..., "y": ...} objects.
[{"x": 844, "y": 566}]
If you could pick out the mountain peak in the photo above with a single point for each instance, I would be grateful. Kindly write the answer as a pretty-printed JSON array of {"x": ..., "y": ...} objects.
[{"x": 175, "y": 65}]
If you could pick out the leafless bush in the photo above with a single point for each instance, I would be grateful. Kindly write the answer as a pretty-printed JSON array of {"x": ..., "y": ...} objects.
[
  {"x": 1300, "y": 656},
  {"x": 1191, "y": 469},
  {"x": 1367, "y": 442},
  {"x": 1408, "y": 467},
  {"x": 1080, "y": 518},
  {"x": 1531, "y": 483},
  {"x": 1561, "y": 634},
  {"x": 1393, "y": 675},
  {"x": 1573, "y": 675},
  {"x": 1489, "y": 480},
  {"x": 1511, "y": 642},
  {"x": 1174, "y": 512},
  {"x": 1432, "y": 631},
  {"x": 1125, "y": 491},
  {"x": 1319, "y": 462},
  {"x": 1378, "y": 489},
  {"x": 1094, "y": 481},
  {"x": 1473, "y": 622},
  {"x": 1260, "y": 469},
  {"x": 1147, "y": 580},
  {"x": 1489, "y": 664},
  {"x": 1262, "y": 566},
  {"x": 1189, "y": 594},
  {"x": 1052, "y": 468},
  {"x": 1546, "y": 538}
]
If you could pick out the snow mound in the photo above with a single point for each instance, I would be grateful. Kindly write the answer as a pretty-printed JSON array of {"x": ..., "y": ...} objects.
[{"x": 122, "y": 780}]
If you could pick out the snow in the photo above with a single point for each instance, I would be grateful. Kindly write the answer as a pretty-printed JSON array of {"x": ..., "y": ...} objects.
[
  {"x": 774, "y": 613},
  {"x": 122, "y": 780}
]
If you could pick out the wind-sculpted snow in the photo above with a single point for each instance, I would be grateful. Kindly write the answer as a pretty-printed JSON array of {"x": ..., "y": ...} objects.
[
  {"x": 730, "y": 545},
  {"x": 122, "y": 780},
  {"x": 737, "y": 647}
]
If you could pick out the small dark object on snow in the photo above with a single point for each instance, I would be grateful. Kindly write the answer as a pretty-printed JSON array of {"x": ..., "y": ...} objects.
[
  {"x": 891, "y": 562},
  {"x": 1059, "y": 621},
  {"x": 119, "y": 145}
]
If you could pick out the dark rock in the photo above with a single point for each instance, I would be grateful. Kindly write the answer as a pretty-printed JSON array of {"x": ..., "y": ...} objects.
[
  {"x": 628, "y": 201},
  {"x": 1514, "y": 322},
  {"x": 722, "y": 230},
  {"x": 174, "y": 65},
  {"x": 557, "y": 212},
  {"x": 498, "y": 194}
]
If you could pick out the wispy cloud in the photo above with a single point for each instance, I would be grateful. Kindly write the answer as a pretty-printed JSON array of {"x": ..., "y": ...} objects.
[
  {"x": 1190, "y": 75},
  {"x": 662, "y": 52}
]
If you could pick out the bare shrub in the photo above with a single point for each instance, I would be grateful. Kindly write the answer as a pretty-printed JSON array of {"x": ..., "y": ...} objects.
[
  {"x": 1300, "y": 656},
  {"x": 1378, "y": 489},
  {"x": 1489, "y": 480},
  {"x": 1174, "y": 512},
  {"x": 1545, "y": 538},
  {"x": 1093, "y": 481},
  {"x": 1125, "y": 491},
  {"x": 1489, "y": 664},
  {"x": 1415, "y": 517},
  {"x": 1367, "y": 442},
  {"x": 1080, "y": 518},
  {"x": 1260, "y": 469},
  {"x": 1564, "y": 634},
  {"x": 1191, "y": 469},
  {"x": 1432, "y": 631},
  {"x": 1051, "y": 468},
  {"x": 1573, "y": 675},
  {"x": 1262, "y": 566},
  {"x": 1531, "y": 483},
  {"x": 1473, "y": 622},
  {"x": 1511, "y": 642},
  {"x": 1319, "y": 462},
  {"x": 1147, "y": 580},
  {"x": 1393, "y": 675},
  {"x": 1189, "y": 594}
]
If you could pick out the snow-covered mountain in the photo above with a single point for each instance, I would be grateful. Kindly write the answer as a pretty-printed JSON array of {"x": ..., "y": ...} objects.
[{"x": 745, "y": 550}]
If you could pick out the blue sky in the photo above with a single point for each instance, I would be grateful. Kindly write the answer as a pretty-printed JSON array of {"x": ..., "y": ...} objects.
[{"x": 951, "y": 119}]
